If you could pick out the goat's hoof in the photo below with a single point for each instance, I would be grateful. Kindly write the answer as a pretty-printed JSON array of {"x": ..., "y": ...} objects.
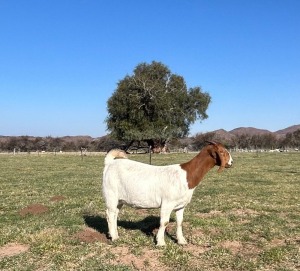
[
  {"x": 114, "y": 238},
  {"x": 160, "y": 244},
  {"x": 182, "y": 242}
]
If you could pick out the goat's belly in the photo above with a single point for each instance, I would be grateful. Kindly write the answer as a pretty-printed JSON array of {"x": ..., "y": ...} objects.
[
  {"x": 140, "y": 200},
  {"x": 148, "y": 203},
  {"x": 143, "y": 202},
  {"x": 140, "y": 205}
]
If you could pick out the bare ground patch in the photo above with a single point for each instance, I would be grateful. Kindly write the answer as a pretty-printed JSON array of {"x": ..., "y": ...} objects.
[
  {"x": 13, "y": 249},
  {"x": 34, "y": 209},
  {"x": 37, "y": 209},
  {"x": 148, "y": 259},
  {"x": 89, "y": 235},
  {"x": 196, "y": 250},
  {"x": 234, "y": 246}
]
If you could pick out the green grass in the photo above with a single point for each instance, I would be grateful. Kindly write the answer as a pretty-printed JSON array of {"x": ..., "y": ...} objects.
[{"x": 246, "y": 218}]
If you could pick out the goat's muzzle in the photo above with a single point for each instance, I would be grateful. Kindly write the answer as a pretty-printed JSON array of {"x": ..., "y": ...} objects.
[{"x": 229, "y": 166}]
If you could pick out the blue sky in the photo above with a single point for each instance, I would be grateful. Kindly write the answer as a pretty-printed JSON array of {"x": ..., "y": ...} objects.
[{"x": 61, "y": 60}]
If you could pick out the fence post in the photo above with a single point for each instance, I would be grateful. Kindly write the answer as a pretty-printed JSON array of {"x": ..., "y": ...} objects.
[{"x": 150, "y": 154}]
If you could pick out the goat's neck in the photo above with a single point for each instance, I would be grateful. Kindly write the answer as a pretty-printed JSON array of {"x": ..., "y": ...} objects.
[{"x": 197, "y": 168}]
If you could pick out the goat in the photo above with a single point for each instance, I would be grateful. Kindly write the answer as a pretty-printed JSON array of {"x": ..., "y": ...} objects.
[{"x": 167, "y": 187}]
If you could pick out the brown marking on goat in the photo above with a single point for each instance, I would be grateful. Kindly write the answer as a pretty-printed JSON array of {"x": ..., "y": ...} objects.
[{"x": 212, "y": 155}]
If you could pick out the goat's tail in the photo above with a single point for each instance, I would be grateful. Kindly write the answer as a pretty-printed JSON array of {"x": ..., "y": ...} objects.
[{"x": 115, "y": 153}]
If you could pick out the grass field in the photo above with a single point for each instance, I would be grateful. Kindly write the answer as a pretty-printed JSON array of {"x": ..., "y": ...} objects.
[{"x": 53, "y": 217}]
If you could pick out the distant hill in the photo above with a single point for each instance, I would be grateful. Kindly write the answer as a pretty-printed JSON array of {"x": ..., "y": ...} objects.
[
  {"x": 254, "y": 131},
  {"x": 290, "y": 129},
  {"x": 248, "y": 131},
  {"x": 221, "y": 134}
]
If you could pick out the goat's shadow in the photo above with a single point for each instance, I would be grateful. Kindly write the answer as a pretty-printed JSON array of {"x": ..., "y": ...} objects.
[{"x": 149, "y": 225}]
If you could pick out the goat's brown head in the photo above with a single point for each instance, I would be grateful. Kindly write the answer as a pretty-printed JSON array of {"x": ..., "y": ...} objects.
[{"x": 221, "y": 155}]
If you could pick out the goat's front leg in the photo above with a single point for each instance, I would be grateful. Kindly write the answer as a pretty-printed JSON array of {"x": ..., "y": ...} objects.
[
  {"x": 179, "y": 218},
  {"x": 164, "y": 220}
]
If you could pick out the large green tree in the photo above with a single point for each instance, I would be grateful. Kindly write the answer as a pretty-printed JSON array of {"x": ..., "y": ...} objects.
[{"x": 154, "y": 105}]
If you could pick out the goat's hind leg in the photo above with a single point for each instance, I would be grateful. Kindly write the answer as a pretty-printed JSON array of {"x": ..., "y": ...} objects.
[
  {"x": 111, "y": 215},
  {"x": 112, "y": 218}
]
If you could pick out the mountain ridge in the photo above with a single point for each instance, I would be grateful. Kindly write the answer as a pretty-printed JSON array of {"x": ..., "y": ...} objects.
[{"x": 250, "y": 131}]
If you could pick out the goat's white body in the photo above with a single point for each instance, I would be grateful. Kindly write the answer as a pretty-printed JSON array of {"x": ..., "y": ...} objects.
[{"x": 143, "y": 186}]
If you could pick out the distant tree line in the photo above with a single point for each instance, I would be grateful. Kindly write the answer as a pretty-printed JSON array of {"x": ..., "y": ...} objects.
[
  {"x": 265, "y": 141},
  {"x": 56, "y": 144},
  {"x": 105, "y": 143}
]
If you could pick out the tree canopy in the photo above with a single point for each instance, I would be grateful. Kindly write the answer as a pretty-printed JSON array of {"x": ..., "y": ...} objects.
[{"x": 154, "y": 104}]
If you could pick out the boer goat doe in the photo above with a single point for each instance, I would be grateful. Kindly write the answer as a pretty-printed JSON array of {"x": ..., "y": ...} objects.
[{"x": 167, "y": 187}]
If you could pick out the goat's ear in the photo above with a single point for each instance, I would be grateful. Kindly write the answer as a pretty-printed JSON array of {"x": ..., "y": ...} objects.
[
  {"x": 213, "y": 153},
  {"x": 222, "y": 160},
  {"x": 220, "y": 169}
]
